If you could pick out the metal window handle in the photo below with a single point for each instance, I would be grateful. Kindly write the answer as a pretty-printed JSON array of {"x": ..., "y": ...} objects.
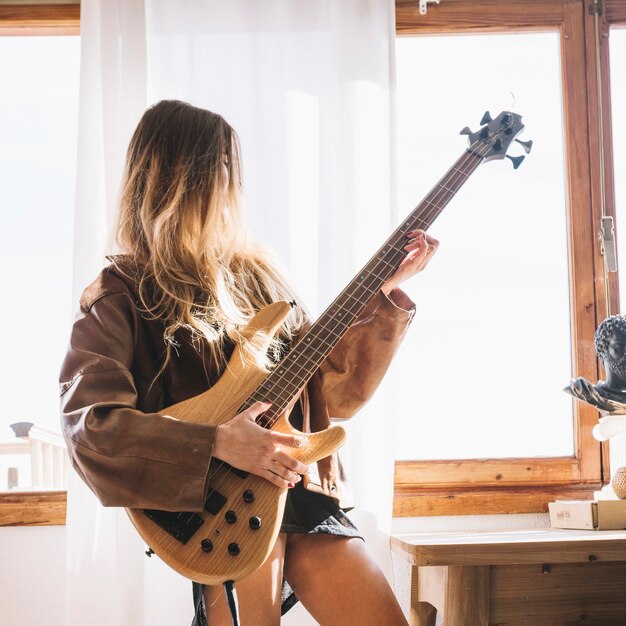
[
  {"x": 424, "y": 5},
  {"x": 607, "y": 243}
]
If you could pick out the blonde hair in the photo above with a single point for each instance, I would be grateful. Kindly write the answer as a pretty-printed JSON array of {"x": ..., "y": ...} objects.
[{"x": 182, "y": 223}]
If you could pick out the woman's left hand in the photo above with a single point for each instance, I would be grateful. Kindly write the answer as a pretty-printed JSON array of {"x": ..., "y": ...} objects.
[{"x": 420, "y": 248}]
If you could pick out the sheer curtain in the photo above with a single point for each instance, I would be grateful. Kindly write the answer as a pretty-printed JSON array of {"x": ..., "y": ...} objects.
[{"x": 306, "y": 83}]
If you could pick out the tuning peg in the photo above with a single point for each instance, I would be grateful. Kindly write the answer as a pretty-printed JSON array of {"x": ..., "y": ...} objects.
[
  {"x": 466, "y": 131},
  {"x": 486, "y": 118},
  {"x": 527, "y": 145},
  {"x": 516, "y": 160}
]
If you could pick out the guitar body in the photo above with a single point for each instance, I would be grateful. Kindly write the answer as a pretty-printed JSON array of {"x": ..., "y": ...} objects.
[{"x": 238, "y": 533}]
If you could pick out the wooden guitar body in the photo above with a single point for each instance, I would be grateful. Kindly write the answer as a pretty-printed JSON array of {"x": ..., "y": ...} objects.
[{"x": 237, "y": 536}]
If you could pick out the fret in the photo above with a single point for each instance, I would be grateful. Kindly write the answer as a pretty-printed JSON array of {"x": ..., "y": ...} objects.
[
  {"x": 389, "y": 265},
  {"x": 422, "y": 223},
  {"x": 446, "y": 189},
  {"x": 454, "y": 169},
  {"x": 370, "y": 291},
  {"x": 358, "y": 300}
]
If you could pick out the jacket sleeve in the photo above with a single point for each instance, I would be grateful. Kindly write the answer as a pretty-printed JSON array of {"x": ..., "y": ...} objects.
[
  {"x": 356, "y": 365},
  {"x": 127, "y": 457}
]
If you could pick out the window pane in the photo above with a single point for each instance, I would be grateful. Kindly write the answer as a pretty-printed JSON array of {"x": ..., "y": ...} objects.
[
  {"x": 618, "y": 103},
  {"x": 39, "y": 112},
  {"x": 482, "y": 370}
]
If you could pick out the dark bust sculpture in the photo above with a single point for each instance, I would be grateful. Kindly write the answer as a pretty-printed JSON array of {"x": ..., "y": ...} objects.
[{"x": 608, "y": 396}]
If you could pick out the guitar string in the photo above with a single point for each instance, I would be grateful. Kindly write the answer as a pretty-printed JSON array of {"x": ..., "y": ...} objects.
[{"x": 469, "y": 156}]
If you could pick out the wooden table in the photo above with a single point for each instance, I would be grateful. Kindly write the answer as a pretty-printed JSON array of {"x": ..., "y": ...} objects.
[{"x": 544, "y": 577}]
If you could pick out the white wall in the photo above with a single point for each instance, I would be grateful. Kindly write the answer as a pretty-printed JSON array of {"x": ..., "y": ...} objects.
[
  {"x": 32, "y": 576},
  {"x": 32, "y": 582}
]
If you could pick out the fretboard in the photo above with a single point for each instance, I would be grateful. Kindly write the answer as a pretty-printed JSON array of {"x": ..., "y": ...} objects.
[{"x": 296, "y": 368}]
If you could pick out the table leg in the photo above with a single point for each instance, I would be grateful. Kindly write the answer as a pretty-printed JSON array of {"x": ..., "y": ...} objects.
[
  {"x": 423, "y": 613},
  {"x": 467, "y": 596}
]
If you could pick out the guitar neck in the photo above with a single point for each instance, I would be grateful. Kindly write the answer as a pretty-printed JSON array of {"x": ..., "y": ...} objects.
[{"x": 293, "y": 372}]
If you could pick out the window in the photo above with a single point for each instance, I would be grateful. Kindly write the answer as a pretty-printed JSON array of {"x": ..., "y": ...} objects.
[
  {"x": 542, "y": 255},
  {"x": 39, "y": 95},
  {"x": 496, "y": 296}
]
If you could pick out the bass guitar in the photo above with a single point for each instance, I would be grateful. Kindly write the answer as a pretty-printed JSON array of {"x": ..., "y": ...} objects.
[{"x": 242, "y": 514}]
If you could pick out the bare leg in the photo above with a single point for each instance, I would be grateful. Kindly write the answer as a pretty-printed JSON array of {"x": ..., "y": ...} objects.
[
  {"x": 259, "y": 594},
  {"x": 339, "y": 583}
]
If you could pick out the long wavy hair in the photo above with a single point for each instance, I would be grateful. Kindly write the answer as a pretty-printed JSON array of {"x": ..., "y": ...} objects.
[{"x": 182, "y": 227}]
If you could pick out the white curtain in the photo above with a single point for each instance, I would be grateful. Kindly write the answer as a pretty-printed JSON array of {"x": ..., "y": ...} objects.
[{"x": 306, "y": 83}]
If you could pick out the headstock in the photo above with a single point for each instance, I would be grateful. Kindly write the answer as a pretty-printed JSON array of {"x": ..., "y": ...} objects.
[{"x": 495, "y": 137}]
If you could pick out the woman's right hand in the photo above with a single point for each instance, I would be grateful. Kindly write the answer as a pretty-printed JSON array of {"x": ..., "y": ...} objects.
[{"x": 244, "y": 444}]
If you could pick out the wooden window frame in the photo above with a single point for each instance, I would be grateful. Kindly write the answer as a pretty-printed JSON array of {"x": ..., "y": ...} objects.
[
  {"x": 616, "y": 13},
  {"x": 36, "y": 508},
  {"x": 526, "y": 485}
]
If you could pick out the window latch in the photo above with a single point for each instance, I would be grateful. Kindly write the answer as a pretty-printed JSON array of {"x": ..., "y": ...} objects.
[
  {"x": 424, "y": 5},
  {"x": 607, "y": 243},
  {"x": 595, "y": 7}
]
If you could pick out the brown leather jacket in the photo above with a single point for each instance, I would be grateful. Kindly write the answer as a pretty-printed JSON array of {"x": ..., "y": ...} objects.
[{"x": 130, "y": 455}]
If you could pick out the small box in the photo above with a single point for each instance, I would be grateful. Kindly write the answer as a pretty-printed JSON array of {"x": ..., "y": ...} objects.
[{"x": 588, "y": 514}]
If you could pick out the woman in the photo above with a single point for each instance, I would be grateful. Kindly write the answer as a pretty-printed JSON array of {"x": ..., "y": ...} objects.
[{"x": 158, "y": 325}]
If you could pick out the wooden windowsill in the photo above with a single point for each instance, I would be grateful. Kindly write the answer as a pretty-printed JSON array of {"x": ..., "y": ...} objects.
[
  {"x": 420, "y": 502},
  {"x": 43, "y": 19},
  {"x": 33, "y": 508},
  {"x": 490, "y": 486}
]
